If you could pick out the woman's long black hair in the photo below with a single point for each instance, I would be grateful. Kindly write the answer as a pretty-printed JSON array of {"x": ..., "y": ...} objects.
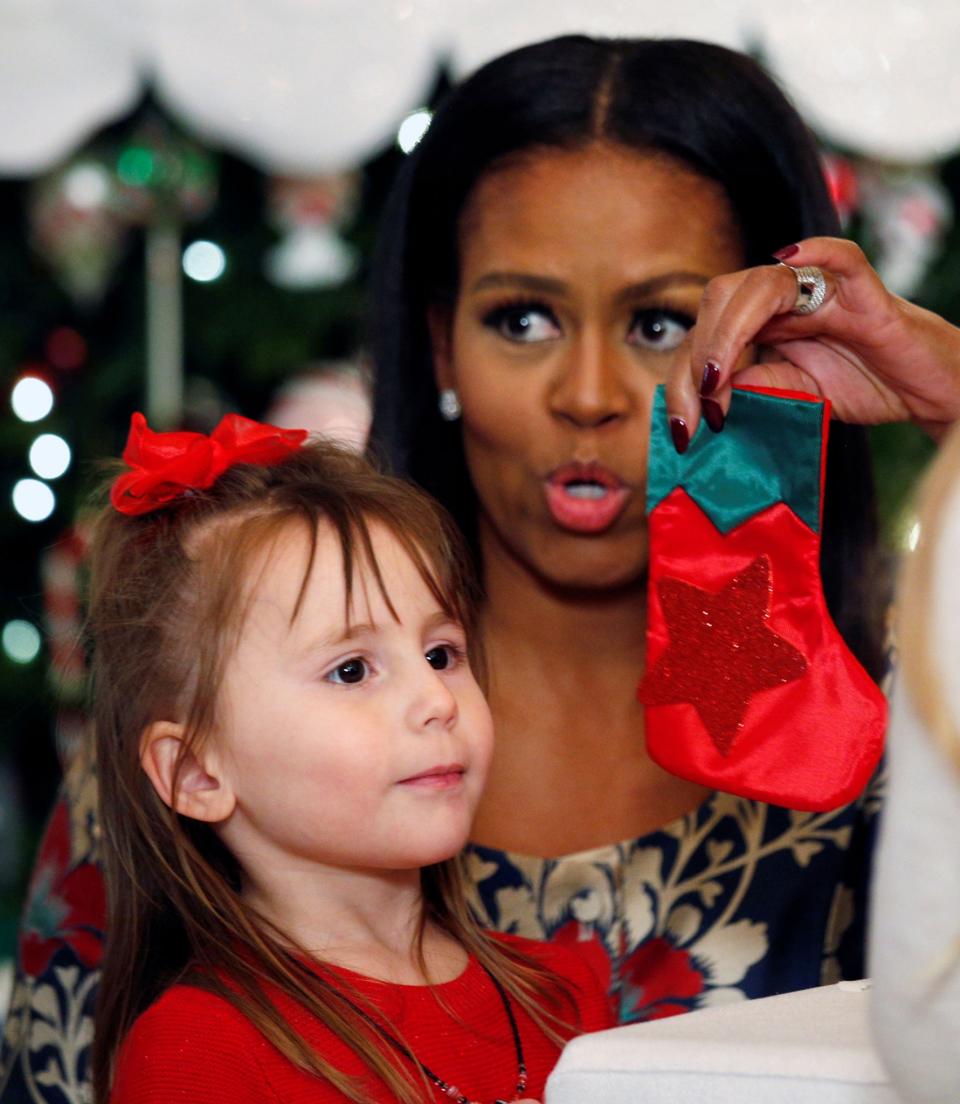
[{"x": 711, "y": 108}]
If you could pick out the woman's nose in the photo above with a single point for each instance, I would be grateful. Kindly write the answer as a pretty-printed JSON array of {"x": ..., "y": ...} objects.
[{"x": 591, "y": 388}]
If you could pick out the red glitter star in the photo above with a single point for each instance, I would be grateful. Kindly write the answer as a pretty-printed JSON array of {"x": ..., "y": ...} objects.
[{"x": 721, "y": 651}]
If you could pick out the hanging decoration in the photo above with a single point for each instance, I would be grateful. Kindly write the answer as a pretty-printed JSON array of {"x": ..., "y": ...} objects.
[
  {"x": 843, "y": 184},
  {"x": 162, "y": 175},
  {"x": 81, "y": 213},
  {"x": 749, "y": 688},
  {"x": 309, "y": 213},
  {"x": 76, "y": 227},
  {"x": 307, "y": 86},
  {"x": 907, "y": 212}
]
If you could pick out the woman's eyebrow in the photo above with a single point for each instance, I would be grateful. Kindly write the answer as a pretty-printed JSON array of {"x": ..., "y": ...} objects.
[
  {"x": 646, "y": 288},
  {"x": 548, "y": 285},
  {"x": 544, "y": 285}
]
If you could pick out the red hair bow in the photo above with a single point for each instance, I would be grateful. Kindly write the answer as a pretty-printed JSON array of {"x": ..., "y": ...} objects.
[{"x": 166, "y": 465}]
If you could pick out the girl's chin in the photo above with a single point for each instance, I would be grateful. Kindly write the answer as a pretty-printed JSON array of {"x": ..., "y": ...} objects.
[
  {"x": 441, "y": 847},
  {"x": 429, "y": 856}
]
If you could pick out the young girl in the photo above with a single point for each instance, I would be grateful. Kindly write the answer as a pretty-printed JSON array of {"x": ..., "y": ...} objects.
[{"x": 291, "y": 745}]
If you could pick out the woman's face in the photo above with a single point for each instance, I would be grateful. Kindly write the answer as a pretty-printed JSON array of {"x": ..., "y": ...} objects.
[{"x": 581, "y": 272}]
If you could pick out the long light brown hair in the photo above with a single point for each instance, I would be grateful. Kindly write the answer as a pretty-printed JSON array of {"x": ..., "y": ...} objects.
[{"x": 166, "y": 607}]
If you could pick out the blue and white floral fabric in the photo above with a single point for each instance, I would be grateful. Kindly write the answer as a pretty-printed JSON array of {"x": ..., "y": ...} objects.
[{"x": 737, "y": 899}]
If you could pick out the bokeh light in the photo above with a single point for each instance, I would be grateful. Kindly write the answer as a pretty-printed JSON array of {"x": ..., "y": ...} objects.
[
  {"x": 66, "y": 349},
  {"x": 135, "y": 166},
  {"x": 33, "y": 500},
  {"x": 412, "y": 129},
  {"x": 913, "y": 536},
  {"x": 31, "y": 399},
  {"x": 49, "y": 456},
  {"x": 204, "y": 261},
  {"x": 21, "y": 641},
  {"x": 87, "y": 186}
]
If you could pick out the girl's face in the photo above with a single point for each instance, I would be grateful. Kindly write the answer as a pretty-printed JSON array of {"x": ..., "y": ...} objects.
[
  {"x": 362, "y": 747},
  {"x": 581, "y": 273}
]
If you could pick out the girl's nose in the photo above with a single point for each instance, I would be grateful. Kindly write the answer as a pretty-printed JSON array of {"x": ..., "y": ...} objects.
[
  {"x": 433, "y": 703},
  {"x": 591, "y": 388}
]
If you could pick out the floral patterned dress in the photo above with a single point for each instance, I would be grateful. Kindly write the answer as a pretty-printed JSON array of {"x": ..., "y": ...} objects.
[{"x": 737, "y": 899}]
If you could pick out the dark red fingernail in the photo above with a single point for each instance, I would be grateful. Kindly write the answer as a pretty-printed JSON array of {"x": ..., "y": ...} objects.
[
  {"x": 680, "y": 435},
  {"x": 711, "y": 377},
  {"x": 712, "y": 414},
  {"x": 787, "y": 251}
]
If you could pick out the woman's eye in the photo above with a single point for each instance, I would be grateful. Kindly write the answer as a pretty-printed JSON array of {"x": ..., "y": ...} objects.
[
  {"x": 523, "y": 322},
  {"x": 659, "y": 329},
  {"x": 350, "y": 672},
  {"x": 442, "y": 657}
]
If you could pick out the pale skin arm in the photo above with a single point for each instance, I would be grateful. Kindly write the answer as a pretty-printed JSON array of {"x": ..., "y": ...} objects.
[{"x": 877, "y": 357}]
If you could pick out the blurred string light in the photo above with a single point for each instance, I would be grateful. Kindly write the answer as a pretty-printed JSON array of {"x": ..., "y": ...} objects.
[
  {"x": 33, "y": 500},
  {"x": 412, "y": 129},
  {"x": 136, "y": 166},
  {"x": 913, "y": 536},
  {"x": 31, "y": 399},
  {"x": 204, "y": 261},
  {"x": 87, "y": 186},
  {"x": 49, "y": 456},
  {"x": 21, "y": 641}
]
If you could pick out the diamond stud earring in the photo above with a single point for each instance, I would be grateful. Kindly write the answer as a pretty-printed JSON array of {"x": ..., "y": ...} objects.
[{"x": 449, "y": 405}]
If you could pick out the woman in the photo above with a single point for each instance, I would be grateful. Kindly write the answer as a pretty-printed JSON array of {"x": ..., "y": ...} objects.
[
  {"x": 574, "y": 208},
  {"x": 524, "y": 274}
]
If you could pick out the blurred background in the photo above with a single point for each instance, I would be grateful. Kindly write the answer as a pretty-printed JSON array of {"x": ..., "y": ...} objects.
[{"x": 189, "y": 195}]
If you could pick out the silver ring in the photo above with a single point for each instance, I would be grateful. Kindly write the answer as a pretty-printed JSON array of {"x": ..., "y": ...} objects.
[{"x": 811, "y": 289}]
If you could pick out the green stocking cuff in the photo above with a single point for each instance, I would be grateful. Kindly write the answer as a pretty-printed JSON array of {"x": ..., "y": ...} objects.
[{"x": 768, "y": 452}]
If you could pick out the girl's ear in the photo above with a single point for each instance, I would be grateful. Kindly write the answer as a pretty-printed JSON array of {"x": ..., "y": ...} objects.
[
  {"x": 440, "y": 324},
  {"x": 201, "y": 791}
]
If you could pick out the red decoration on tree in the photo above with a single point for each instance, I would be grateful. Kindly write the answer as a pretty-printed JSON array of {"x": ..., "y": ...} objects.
[
  {"x": 721, "y": 650},
  {"x": 843, "y": 184}
]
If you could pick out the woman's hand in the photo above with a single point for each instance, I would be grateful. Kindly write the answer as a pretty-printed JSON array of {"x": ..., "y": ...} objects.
[{"x": 875, "y": 356}]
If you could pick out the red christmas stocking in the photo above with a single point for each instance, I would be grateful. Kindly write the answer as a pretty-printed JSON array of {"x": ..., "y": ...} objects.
[{"x": 749, "y": 687}]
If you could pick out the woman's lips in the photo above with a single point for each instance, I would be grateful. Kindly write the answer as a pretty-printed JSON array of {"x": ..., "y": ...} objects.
[{"x": 585, "y": 498}]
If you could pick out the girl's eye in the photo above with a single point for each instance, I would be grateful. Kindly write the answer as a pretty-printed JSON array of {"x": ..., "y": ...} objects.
[
  {"x": 523, "y": 322},
  {"x": 442, "y": 657},
  {"x": 350, "y": 672},
  {"x": 660, "y": 329}
]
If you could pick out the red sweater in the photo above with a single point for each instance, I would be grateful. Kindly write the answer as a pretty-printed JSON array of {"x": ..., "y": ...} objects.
[{"x": 192, "y": 1046}]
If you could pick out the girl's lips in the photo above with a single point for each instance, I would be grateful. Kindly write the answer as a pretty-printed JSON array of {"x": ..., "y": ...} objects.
[
  {"x": 436, "y": 778},
  {"x": 585, "y": 498}
]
